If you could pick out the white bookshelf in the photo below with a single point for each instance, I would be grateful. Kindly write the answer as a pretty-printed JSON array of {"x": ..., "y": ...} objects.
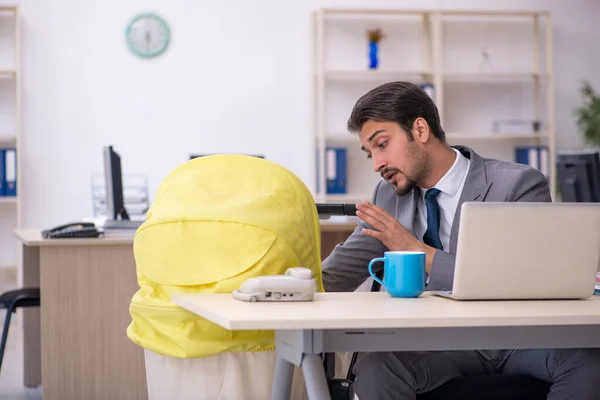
[
  {"x": 443, "y": 48},
  {"x": 10, "y": 130}
]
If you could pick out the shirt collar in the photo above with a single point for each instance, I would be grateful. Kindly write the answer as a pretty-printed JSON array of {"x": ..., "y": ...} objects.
[{"x": 451, "y": 181}]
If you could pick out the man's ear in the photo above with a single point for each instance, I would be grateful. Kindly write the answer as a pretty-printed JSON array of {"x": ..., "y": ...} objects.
[{"x": 421, "y": 128}]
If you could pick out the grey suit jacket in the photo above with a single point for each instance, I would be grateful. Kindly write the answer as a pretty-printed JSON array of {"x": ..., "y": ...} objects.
[{"x": 346, "y": 268}]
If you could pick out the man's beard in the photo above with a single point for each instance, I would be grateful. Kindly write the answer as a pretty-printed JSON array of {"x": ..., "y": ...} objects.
[
  {"x": 405, "y": 189},
  {"x": 422, "y": 168}
]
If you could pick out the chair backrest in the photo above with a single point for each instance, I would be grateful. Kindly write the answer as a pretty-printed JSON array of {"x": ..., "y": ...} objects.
[{"x": 215, "y": 222}]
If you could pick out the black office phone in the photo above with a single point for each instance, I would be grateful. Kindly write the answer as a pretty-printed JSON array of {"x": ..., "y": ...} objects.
[{"x": 72, "y": 230}]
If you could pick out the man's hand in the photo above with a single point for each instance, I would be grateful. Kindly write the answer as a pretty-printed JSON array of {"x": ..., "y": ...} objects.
[
  {"x": 390, "y": 232},
  {"x": 386, "y": 228}
]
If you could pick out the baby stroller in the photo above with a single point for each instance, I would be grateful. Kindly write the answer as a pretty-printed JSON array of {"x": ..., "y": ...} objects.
[{"x": 217, "y": 221}]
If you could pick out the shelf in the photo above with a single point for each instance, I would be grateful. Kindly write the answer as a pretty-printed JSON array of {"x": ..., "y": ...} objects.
[
  {"x": 347, "y": 137},
  {"x": 10, "y": 104},
  {"x": 374, "y": 16},
  {"x": 485, "y": 66},
  {"x": 8, "y": 200},
  {"x": 369, "y": 75},
  {"x": 495, "y": 136},
  {"x": 494, "y": 13},
  {"x": 492, "y": 76},
  {"x": 340, "y": 137},
  {"x": 7, "y": 73},
  {"x": 426, "y": 75},
  {"x": 7, "y": 140},
  {"x": 382, "y": 12},
  {"x": 339, "y": 12}
]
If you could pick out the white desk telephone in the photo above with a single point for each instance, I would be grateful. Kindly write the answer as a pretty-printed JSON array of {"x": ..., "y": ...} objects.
[{"x": 296, "y": 285}]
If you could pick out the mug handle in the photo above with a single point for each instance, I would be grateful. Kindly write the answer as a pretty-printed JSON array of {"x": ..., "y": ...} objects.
[{"x": 373, "y": 261}]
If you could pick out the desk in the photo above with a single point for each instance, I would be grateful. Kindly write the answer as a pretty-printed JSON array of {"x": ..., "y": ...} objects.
[
  {"x": 334, "y": 231},
  {"x": 86, "y": 286},
  {"x": 77, "y": 347},
  {"x": 373, "y": 321}
]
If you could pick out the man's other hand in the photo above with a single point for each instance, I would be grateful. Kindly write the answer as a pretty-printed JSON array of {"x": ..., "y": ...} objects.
[{"x": 391, "y": 232}]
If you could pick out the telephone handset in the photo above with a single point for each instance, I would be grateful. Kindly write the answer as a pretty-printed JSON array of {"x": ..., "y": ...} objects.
[
  {"x": 72, "y": 230},
  {"x": 296, "y": 285}
]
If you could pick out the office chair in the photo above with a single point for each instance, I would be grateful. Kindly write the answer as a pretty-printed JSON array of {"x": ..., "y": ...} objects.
[
  {"x": 487, "y": 387},
  {"x": 26, "y": 297}
]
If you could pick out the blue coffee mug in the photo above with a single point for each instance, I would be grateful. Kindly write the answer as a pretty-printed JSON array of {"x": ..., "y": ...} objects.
[{"x": 403, "y": 273}]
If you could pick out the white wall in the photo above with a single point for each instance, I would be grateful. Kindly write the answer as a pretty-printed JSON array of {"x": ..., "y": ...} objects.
[{"x": 235, "y": 79}]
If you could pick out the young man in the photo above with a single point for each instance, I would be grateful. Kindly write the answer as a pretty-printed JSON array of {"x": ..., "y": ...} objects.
[{"x": 416, "y": 207}]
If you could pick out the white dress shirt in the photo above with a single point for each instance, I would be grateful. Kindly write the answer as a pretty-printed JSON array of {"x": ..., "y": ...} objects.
[{"x": 450, "y": 187}]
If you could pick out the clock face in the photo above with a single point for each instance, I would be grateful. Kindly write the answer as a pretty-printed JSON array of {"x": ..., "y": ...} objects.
[{"x": 147, "y": 35}]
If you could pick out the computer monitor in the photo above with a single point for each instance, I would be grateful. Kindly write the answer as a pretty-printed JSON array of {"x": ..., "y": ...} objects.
[
  {"x": 579, "y": 176},
  {"x": 115, "y": 202}
]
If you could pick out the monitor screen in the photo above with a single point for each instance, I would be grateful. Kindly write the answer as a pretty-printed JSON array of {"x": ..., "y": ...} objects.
[
  {"x": 114, "y": 185},
  {"x": 579, "y": 176}
]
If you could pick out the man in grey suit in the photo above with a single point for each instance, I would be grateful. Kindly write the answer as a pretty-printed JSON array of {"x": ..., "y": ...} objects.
[{"x": 416, "y": 207}]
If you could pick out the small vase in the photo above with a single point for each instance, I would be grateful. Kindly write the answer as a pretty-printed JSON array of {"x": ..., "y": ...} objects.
[{"x": 373, "y": 55}]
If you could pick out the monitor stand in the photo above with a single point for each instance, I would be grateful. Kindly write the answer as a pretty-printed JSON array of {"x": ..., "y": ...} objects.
[{"x": 123, "y": 222}]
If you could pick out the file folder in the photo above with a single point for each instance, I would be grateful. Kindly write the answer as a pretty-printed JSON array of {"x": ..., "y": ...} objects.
[
  {"x": 2, "y": 172},
  {"x": 10, "y": 172},
  {"x": 336, "y": 169},
  {"x": 534, "y": 156}
]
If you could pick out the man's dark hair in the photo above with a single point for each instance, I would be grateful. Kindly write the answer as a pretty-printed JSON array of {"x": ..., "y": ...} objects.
[{"x": 399, "y": 102}]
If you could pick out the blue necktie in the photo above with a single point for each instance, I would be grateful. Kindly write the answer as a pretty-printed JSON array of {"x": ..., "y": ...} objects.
[{"x": 432, "y": 234}]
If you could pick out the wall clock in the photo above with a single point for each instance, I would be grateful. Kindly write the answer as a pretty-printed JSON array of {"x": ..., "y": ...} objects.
[{"x": 147, "y": 35}]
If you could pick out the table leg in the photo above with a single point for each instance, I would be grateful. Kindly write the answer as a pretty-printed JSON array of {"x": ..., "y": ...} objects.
[
  {"x": 32, "y": 348},
  {"x": 282, "y": 380},
  {"x": 314, "y": 376}
]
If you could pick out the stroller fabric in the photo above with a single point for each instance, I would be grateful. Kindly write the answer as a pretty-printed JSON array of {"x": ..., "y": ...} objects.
[{"x": 215, "y": 222}]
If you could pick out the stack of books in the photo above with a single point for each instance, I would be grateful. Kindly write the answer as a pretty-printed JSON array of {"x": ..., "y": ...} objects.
[{"x": 597, "y": 288}]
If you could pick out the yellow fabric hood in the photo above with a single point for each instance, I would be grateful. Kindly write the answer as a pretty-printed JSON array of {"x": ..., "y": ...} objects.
[{"x": 215, "y": 222}]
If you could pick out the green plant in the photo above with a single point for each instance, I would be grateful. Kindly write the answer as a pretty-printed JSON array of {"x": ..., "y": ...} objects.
[
  {"x": 375, "y": 35},
  {"x": 588, "y": 115}
]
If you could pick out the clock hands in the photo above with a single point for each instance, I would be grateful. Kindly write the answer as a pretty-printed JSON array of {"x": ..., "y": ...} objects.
[{"x": 148, "y": 35}]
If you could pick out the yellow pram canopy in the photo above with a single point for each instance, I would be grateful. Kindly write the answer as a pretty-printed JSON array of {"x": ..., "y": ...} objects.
[{"x": 215, "y": 222}]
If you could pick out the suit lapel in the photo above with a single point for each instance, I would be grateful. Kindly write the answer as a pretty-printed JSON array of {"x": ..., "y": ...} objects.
[
  {"x": 406, "y": 207},
  {"x": 475, "y": 188}
]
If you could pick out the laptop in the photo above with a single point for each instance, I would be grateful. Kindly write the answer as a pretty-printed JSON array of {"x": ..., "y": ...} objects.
[{"x": 520, "y": 251}]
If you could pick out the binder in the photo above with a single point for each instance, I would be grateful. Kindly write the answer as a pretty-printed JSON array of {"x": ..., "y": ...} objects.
[
  {"x": 534, "y": 156},
  {"x": 10, "y": 172},
  {"x": 2, "y": 172},
  {"x": 336, "y": 169}
]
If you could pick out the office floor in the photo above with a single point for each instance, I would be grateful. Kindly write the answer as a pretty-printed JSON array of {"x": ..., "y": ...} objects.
[{"x": 11, "y": 375}]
